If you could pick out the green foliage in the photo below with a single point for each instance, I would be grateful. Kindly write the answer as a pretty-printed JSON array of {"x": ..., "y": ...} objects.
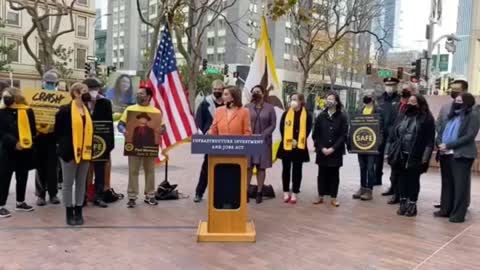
[
  {"x": 4, "y": 52},
  {"x": 204, "y": 81},
  {"x": 64, "y": 58},
  {"x": 280, "y": 8}
]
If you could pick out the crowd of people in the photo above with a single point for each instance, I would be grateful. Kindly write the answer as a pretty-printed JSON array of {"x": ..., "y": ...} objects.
[{"x": 62, "y": 153}]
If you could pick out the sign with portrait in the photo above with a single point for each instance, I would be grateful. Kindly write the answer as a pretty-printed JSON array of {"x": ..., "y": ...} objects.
[
  {"x": 365, "y": 136},
  {"x": 45, "y": 104},
  {"x": 102, "y": 133},
  {"x": 143, "y": 134},
  {"x": 122, "y": 90}
]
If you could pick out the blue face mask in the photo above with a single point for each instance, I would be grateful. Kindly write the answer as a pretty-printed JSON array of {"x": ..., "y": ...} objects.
[{"x": 49, "y": 86}]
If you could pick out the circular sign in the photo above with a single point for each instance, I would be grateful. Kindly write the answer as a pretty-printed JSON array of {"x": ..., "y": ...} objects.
[
  {"x": 364, "y": 138},
  {"x": 128, "y": 147},
  {"x": 99, "y": 147}
]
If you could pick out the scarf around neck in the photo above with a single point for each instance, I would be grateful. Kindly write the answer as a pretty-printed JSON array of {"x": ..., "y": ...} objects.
[
  {"x": 23, "y": 123},
  {"x": 302, "y": 135},
  {"x": 82, "y": 134}
]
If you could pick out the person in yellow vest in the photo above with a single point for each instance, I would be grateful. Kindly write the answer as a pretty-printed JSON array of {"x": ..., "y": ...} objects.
[
  {"x": 74, "y": 134},
  {"x": 295, "y": 126},
  {"x": 17, "y": 129},
  {"x": 367, "y": 161}
]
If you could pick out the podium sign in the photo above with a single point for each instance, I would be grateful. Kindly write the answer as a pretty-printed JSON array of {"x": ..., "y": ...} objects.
[
  {"x": 365, "y": 137},
  {"x": 227, "y": 186}
]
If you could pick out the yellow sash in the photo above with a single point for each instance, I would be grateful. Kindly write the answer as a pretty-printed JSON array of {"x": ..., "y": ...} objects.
[
  {"x": 23, "y": 123},
  {"x": 82, "y": 134},
  {"x": 288, "y": 132}
]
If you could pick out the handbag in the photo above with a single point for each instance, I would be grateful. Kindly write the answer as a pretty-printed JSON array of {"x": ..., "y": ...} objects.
[
  {"x": 395, "y": 156},
  {"x": 167, "y": 191},
  {"x": 267, "y": 191}
]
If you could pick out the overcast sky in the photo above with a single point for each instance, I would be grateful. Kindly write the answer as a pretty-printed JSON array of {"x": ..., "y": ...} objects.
[{"x": 103, "y": 5}]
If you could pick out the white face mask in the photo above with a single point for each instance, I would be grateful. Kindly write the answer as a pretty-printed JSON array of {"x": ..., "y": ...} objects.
[
  {"x": 388, "y": 89},
  {"x": 294, "y": 104},
  {"x": 94, "y": 94}
]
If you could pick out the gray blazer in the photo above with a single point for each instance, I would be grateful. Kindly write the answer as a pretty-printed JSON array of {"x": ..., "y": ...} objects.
[{"x": 464, "y": 146}]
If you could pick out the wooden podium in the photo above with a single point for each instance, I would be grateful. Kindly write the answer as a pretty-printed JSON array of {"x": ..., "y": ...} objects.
[{"x": 227, "y": 187}]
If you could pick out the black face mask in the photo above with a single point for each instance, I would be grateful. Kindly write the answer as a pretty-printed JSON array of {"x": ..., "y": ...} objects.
[
  {"x": 86, "y": 98},
  {"x": 367, "y": 100},
  {"x": 411, "y": 109},
  {"x": 406, "y": 93},
  {"x": 8, "y": 101},
  {"x": 256, "y": 97},
  {"x": 454, "y": 95},
  {"x": 217, "y": 95},
  {"x": 457, "y": 106}
]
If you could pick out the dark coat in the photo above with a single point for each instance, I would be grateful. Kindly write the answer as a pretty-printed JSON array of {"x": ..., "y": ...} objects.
[
  {"x": 330, "y": 132},
  {"x": 9, "y": 156},
  {"x": 63, "y": 133},
  {"x": 296, "y": 155},
  {"x": 145, "y": 138},
  {"x": 389, "y": 105},
  {"x": 204, "y": 115},
  {"x": 423, "y": 142},
  {"x": 464, "y": 146},
  {"x": 103, "y": 112}
]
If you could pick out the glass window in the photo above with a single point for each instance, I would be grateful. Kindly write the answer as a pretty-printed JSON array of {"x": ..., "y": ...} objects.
[
  {"x": 220, "y": 57},
  {"x": 82, "y": 2},
  {"x": 81, "y": 26},
  {"x": 121, "y": 65},
  {"x": 221, "y": 23},
  {"x": 46, "y": 21},
  {"x": 13, "y": 17},
  {"x": 211, "y": 41},
  {"x": 80, "y": 59},
  {"x": 211, "y": 58},
  {"x": 13, "y": 54},
  {"x": 120, "y": 41},
  {"x": 221, "y": 42},
  {"x": 115, "y": 54},
  {"x": 122, "y": 52}
]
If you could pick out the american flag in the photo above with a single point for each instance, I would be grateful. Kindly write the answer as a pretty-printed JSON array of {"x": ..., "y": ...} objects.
[{"x": 169, "y": 94}]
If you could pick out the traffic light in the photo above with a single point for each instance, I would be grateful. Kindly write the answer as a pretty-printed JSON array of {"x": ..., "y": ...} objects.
[
  {"x": 235, "y": 74},
  {"x": 88, "y": 68},
  {"x": 438, "y": 83},
  {"x": 111, "y": 69},
  {"x": 225, "y": 70},
  {"x": 417, "y": 68},
  {"x": 204, "y": 64},
  {"x": 399, "y": 73},
  {"x": 369, "y": 69},
  {"x": 97, "y": 69}
]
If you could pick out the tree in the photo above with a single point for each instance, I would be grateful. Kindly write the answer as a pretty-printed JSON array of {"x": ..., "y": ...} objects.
[
  {"x": 204, "y": 81},
  {"x": 318, "y": 26},
  {"x": 5, "y": 51},
  {"x": 63, "y": 60},
  {"x": 41, "y": 11}
]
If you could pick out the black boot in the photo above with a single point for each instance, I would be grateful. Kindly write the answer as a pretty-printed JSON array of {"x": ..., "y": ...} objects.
[
  {"x": 394, "y": 199},
  {"x": 411, "y": 209},
  {"x": 403, "y": 207},
  {"x": 389, "y": 192},
  {"x": 259, "y": 198},
  {"x": 78, "y": 215},
  {"x": 70, "y": 218}
]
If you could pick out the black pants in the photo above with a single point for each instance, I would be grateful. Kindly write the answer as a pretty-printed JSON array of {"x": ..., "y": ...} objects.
[
  {"x": 328, "y": 180},
  {"x": 47, "y": 162},
  {"x": 21, "y": 176},
  {"x": 203, "y": 178},
  {"x": 456, "y": 186},
  {"x": 409, "y": 183},
  {"x": 379, "y": 165},
  {"x": 394, "y": 181},
  {"x": 99, "y": 170},
  {"x": 367, "y": 170},
  {"x": 59, "y": 172},
  {"x": 295, "y": 173}
]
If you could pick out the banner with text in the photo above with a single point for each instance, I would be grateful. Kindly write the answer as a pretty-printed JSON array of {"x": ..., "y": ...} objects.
[
  {"x": 45, "y": 104},
  {"x": 228, "y": 145},
  {"x": 102, "y": 133}
]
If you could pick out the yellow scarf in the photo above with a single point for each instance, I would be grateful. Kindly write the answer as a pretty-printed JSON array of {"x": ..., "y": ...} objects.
[
  {"x": 82, "y": 134},
  {"x": 288, "y": 133},
  {"x": 23, "y": 123}
]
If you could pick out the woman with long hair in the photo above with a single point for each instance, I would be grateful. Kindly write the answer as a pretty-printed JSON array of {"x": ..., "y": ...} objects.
[
  {"x": 263, "y": 121},
  {"x": 329, "y": 136},
  {"x": 409, "y": 150},
  {"x": 74, "y": 133},
  {"x": 295, "y": 126},
  {"x": 17, "y": 130},
  {"x": 121, "y": 94},
  {"x": 457, "y": 151}
]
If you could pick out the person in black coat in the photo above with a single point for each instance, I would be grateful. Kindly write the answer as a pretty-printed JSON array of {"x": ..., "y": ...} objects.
[
  {"x": 409, "y": 150},
  {"x": 15, "y": 156},
  {"x": 100, "y": 110},
  {"x": 329, "y": 136},
  {"x": 293, "y": 158},
  {"x": 457, "y": 152}
]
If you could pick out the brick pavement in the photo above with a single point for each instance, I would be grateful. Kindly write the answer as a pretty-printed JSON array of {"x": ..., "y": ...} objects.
[{"x": 358, "y": 235}]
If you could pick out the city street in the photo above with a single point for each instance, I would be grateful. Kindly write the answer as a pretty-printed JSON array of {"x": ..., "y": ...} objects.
[{"x": 357, "y": 235}]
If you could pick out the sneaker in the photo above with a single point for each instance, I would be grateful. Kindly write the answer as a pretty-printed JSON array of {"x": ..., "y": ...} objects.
[
  {"x": 151, "y": 201},
  {"x": 54, "y": 200},
  {"x": 4, "y": 213},
  {"x": 131, "y": 203},
  {"x": 41, "y": 201},
  {"x": 23, "y": 207},
  {"x": 197, "y": 199}
]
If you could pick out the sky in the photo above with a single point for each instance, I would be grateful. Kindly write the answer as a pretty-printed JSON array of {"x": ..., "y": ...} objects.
[{"x": 103, "y": 5}]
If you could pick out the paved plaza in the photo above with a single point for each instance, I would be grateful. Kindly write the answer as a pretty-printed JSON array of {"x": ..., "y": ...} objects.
[{"x": 357, "y": 235}]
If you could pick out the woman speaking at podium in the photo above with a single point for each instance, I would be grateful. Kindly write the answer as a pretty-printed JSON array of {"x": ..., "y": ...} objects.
[{"x": 233, "y": 120}]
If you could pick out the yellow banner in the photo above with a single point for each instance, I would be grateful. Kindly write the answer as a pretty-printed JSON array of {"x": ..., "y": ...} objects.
[{"x": 45, "y": 104}]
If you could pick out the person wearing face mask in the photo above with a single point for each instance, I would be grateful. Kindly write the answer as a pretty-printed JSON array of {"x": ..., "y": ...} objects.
[
  {"x": 74, "y": 134},
  {"x": 367, "y": 161},
  {"x": 46, "y": 178},
  {"x": 457, "y": 152},
  {"x": 144, "y": 98},
  {"x": 295, "y": 126},
  {"x": 329, "y": 137},
  {"x": 101, "y": 110},
  {"x": 264, "y": 121},
  {"x": 457, "y": 87},
  {"x": 409, "y": 150},
  {"x": 204, "y": 118},
  {"x": 17, "y": 130}
]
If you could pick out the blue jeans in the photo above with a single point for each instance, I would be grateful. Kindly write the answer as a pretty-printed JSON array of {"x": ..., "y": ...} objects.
[{"x": 367, "y": 170}]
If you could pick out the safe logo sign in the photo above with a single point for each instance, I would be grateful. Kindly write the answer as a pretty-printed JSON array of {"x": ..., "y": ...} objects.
[{"x": 365, "y": 136}]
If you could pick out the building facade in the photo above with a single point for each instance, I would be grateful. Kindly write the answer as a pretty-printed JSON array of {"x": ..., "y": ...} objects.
[
  {"x": 464, "y": 27},
  {"x": 81, "y": 40}
]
